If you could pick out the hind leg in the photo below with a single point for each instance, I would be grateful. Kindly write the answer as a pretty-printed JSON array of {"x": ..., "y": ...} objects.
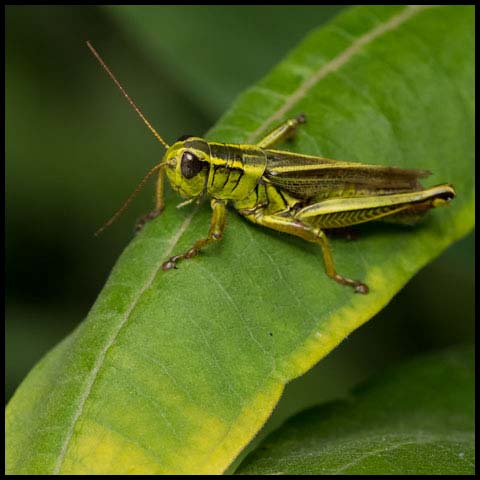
[{"x": 312, "y": 234}]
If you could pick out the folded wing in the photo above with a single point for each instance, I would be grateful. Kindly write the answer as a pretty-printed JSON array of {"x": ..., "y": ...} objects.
[{"x": 306, "y": 177}]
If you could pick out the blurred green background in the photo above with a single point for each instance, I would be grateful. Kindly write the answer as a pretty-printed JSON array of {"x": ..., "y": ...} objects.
[{"x": 75, "y": 150}]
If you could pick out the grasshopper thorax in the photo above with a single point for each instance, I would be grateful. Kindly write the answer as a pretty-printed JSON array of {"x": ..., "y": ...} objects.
[{"x": 187, "y": 166}]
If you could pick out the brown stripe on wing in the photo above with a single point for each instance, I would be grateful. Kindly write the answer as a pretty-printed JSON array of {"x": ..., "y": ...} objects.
[{"x": 306, "y": 176}]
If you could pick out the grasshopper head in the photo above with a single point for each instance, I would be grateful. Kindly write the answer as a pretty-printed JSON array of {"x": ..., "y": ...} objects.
[{"x": 186, "y": 163}]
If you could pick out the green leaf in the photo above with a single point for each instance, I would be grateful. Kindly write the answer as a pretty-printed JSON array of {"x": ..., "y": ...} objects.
[
  {"x": 415, "y": 419},
  {"x": 176, "y": 372}
]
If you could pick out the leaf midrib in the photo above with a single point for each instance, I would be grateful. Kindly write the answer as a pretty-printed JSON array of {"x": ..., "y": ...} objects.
[
  {"x": 338, "y": 62},
  {"x": 111, "y": 340}
]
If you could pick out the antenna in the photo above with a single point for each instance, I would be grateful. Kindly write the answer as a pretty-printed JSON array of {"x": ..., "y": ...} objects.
[
  {"x": 129, "y": 199},
  {"x": 130, "y": 101},
  {"x": 147, "y": 123}
]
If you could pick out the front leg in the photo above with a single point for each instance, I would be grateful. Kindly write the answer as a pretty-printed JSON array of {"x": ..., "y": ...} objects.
[
  {"x": 217, "y": 226},
  {"x": 159, "y": 203}
]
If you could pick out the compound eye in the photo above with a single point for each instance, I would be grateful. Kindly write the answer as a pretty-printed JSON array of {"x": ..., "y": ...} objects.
[{"x": 191, "y": 165}]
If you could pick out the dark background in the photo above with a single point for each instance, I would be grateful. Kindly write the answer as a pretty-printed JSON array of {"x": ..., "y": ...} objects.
[{"x": 75, "y": 151}]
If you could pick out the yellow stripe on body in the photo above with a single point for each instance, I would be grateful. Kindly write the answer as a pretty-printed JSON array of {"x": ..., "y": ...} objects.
[{"x": 235, "y": 170}]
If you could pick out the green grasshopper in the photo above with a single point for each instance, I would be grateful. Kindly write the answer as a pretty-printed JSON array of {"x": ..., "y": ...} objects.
[{"x": 302, "y": 195}]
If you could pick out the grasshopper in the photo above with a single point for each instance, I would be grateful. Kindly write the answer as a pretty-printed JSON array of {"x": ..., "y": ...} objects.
[{"x": 298, "y": 194}]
